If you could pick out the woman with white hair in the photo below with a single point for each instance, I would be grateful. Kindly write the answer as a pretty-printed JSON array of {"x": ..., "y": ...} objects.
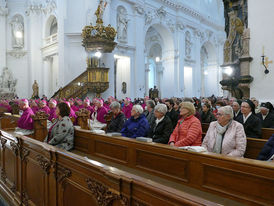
[
  {"x": 118, "y": 118},
  {"x": 161, "y": 127},
  {"x": 225, "y": 136},
  {"x": 137, "y": 125},
  {"x": 188, "y": 131}
]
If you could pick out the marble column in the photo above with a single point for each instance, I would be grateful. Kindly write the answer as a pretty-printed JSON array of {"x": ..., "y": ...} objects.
[
  {"x": 34, "y": 45},
  {"x": 3, "y": 37},
  {"x": 46, "y": 87},
  {"x": 197, "y": 69},
  {"x": 159, "y": 70},
  {"x": 147, "y": 70}
]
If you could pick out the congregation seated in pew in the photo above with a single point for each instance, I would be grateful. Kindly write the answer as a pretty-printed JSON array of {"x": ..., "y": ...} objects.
[
  {"x": 225, "y": 136},
  {"x": 188, "y": 131},
  {"x": 52, "y": 106},
  {"x": 206, "y": 115},
  {"x": 137, "y": 125},
  {"x": 118, "y": 119},
  {"x": 97, "y": 117},
  {"x": 251, "y": 123},
  {"x": 61, "y": 133},
  {"x": 25, "y": 121},
  {"x": 161, "y": 128},
  {"x": 266, "y": 116}
]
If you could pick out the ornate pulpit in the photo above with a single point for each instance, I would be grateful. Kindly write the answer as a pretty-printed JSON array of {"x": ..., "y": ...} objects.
[{"x": 98, "y": 39}]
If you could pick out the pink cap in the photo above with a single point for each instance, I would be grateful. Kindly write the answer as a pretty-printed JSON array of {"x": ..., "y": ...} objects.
[
  {"x": 43, "y": 101},
  {"x": 87, "y": 101},
  {"x": 99, "y": 100},
  {"x": 53, "y": 101},
  {"x": 25, "y": 101},
  {"x": 128, "y": 99}
]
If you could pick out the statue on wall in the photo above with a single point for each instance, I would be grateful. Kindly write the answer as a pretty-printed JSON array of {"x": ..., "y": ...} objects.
[
  {"x": 7, "y": 82},
  {"x": 124, "y": 87},
  {"x": 188, "y": 45},
  {"x": 153, "y": 93},
  {"x": 35, "y": 89},
  {"x": 17, "y": 30},
  {"x": 122, "y": 24}
]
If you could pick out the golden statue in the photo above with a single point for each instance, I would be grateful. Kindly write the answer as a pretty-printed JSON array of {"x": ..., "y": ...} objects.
[
  {"x": 100, "y": 11},
  {"x": 35, "y": 89}
]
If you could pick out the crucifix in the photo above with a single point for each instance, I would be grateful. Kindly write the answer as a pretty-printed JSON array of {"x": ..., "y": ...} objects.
[{"x": 265, "y": 63}]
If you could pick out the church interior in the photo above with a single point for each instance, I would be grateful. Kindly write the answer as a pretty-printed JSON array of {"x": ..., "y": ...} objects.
[{"x": 136, "y": 102}]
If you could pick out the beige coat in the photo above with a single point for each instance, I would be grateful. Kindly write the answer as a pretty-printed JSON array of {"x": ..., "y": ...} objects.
[{"x": 234, "y": 141}]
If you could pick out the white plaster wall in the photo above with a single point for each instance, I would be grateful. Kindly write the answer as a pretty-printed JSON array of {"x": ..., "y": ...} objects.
[
  {"x": 73, "y": 15},
  {"x": 260, "y": 21}
]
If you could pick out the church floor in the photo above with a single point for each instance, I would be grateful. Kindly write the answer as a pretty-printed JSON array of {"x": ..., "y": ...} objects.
[{"x": 211, "y": 197}]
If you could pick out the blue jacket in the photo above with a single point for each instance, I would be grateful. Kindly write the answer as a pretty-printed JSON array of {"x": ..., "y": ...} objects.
[
  {"x": 136, "y": 127},
  {"x": 268, "y": 149}
]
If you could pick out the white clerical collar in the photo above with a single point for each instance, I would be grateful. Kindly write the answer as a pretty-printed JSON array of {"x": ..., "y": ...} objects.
[
  {"x": 159, "y": 120},
  {"x": 264, "y": 116},
  {"x": 236, "y": 113},
  {"x": 245, "y": 118}
]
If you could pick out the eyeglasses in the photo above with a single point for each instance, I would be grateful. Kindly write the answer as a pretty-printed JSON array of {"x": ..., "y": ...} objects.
[{"x": 219, "y": 114}]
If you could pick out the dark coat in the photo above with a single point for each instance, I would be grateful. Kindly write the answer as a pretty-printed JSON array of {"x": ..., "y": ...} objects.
[
  {"x": 174, "y": 117},
  {"x": 136, "y": 127},
  {"x": 150, "y": 117},
  {"x": 116, "y": 123},
  {"x": 268, "y": 122},
  {"x": 268, "y": 149},
  {"x": 207, "y": 117},
  {"x": 161, "y": 132},
  {"x": 235, "y": 117},
  {"x": 252, "y": 126}
]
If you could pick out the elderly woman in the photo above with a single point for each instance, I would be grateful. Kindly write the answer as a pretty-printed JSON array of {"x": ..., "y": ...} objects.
[
  {"x": 225, "y": 136},
  {"x": 118, "y": 119},
  {"x": 161, "y": 128},
  {"x": 188, "y": 131},
  {"x": 137, "y": 125},
  {"x": 61, "y": 133},
  {"x": 252, "y": 124}
]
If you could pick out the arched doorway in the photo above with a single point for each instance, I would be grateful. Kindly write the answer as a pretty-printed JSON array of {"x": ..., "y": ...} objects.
[
  {"x": 210, "y": 71},
  {"x": 160, "y": 60}
]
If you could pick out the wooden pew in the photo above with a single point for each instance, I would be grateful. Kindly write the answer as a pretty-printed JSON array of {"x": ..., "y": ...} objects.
[
  {"x": 253, "y": 147},
  {"x": 10, "y": 122},
  {"x": 245, "y": 180},
  {"x": 34, "y": 173}
]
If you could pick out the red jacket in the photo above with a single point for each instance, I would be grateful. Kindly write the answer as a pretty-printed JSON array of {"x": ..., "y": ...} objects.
[{"x": 188, "y": 132}]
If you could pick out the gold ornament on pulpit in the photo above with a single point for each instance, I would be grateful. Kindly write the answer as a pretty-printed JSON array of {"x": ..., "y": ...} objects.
[{"x": 97, "y": 40}]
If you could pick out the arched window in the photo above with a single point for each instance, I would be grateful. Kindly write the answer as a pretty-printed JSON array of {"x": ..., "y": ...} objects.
[{"x": 53, "y": 27}]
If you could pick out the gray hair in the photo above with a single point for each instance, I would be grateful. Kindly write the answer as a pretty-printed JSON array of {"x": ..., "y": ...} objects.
[
  {"x": 115, "y": 105},
  {"x": 162, "y": 108},
  {"x": 227, "y": 110},
  {"x": 138, "y": 108},
  {"x": 150, "y": 103}
]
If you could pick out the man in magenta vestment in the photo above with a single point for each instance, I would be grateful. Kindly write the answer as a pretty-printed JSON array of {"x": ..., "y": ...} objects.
[
  {"x": 100, "y": 110},
  {"x": 52, "y": 107},
  {"x": 25, "y": 121},
  {"x": 43, "y": 107},
  {"x": 127, "y": 108}
]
